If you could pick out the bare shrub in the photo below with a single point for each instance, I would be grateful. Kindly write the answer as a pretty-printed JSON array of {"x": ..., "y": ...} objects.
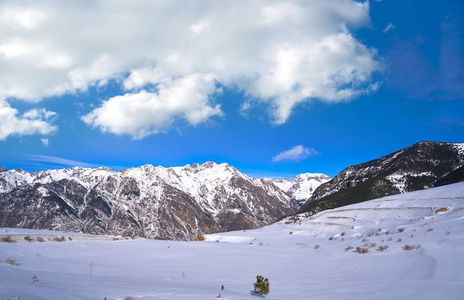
[
  {"x": 317, "y": 246},
  {"x": 400, "y": 229},
  {"x": 199, "y": 239},
  {"x": 362, "y": 250},
  {"x": 430, "y": 229},
  {"x": 411, "y": 247},
  {"x": 342, "y": 234},
  {"x": 6, "y": 239},
  {"x": 28, "y": 238},
  {"x": 11, "y": 261},
  {"x": 129, "y": 298},
  {"x": 91, "y": 268},
  {"x": 331, "y": 238},
  {"x": 365, "y": 240},
  {"x": 40, "y": 239},
  {"x": 348, "y": 248},
  {"x": 390, "y": 239},
  {"x": 383, "y": 248},
  {"x": 70, "y": 238},
  {"x": 291, "y": 232},
  {"x": 59, "y": 239},
  {"x": 372, "y": 245},
  {"x": 261, "y": 243},
  {"x": 399, "y": 240}
]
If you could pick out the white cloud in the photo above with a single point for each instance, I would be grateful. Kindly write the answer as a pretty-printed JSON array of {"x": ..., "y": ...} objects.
[
  {"x": 389, "y": 27},
  {"x": 296, "y": 153},
  {"x": 45, "y": 142},
  {"x": 143, "y": 113},
  {"x": 31, "y": 122},
  {"x": 277, "y": 52}
]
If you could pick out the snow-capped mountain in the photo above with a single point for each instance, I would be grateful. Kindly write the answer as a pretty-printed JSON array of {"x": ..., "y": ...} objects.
[
  {"x": 148, "y": 201},
  {"x": 302, "y": 187},
  {"x": 417, "y": 167}
]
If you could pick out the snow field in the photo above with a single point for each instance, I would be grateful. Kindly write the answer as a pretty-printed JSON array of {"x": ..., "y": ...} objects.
[{"x": 304, "y": 258}]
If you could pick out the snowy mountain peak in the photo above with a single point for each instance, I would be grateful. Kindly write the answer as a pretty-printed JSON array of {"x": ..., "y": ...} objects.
[{"x": 302, "y": 186}]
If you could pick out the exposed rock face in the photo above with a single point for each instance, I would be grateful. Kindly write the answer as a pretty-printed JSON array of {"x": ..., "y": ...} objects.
[
  {"x": 148, "y": 201},
  {"x": 414, "y": 168}
]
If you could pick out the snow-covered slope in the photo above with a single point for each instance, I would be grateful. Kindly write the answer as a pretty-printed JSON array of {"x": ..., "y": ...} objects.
[
  {"x": 414, "y": 245},
  {"x": 148, "y": 201},
  {"x": 302, "y": 187}
]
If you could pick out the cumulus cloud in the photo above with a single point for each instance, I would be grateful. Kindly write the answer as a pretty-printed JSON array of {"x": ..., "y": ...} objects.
[
  {"x": 143, "y": 113},
  {"x": 31, "y": 122},
  {"x": 277, "y": 52},
  {"x": 296, "y": 153}
]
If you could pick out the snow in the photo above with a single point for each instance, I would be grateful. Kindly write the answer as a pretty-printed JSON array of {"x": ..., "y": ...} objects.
[{"x": 304, "y": 258}]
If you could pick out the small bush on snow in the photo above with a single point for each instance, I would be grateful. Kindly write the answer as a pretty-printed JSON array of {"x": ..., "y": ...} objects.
[
  {"x": 348, "y": 248},
  {"x": 411, "y": 247},
  {"x": 6, "y": 239},
  {"x": 362, "y": 250},
  {"x": 383, "y": 248},
  {"x": 261, "y": 286},
  {"x": 199, "y": 239}
]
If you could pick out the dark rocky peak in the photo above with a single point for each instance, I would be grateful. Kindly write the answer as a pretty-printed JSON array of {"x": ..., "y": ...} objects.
[{"x": 2, "y": 168}]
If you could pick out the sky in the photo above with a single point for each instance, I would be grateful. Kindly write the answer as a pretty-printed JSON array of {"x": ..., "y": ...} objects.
[{"x": 273, "y": 88}]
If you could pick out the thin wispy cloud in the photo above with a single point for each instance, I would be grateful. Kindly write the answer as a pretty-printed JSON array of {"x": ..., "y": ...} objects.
[
  {"x": 297, "y": 153},
  {"x": 389, "y": 27},
  {"x": 45, "y": 142},
  {"x": 58, "y": 161}
]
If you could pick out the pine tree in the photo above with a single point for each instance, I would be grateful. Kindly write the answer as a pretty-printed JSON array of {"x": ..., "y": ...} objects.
[{"x": 261, "y": 286}]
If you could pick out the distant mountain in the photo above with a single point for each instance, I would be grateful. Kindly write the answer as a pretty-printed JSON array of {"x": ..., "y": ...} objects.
[
  {"x": 417, "y": 167},
  {"x": 148, "y": 201},
  {"x": 302, "y": 186}
]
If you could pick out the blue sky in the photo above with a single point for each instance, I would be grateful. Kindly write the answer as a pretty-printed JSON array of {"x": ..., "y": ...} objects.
[{"x": 274, "y": 88}]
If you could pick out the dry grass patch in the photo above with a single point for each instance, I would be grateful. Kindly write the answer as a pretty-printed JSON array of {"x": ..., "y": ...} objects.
[
  {"x": 443, "y": 209},
  {"x": 383, "y": 248},
  {"x": 361, "y": 250},
  {"x": 28, "y": 238},
  {"x": 7, "y": 239},
  {"x": 411, "y": 247},
  {"x": 11, "y": 261}
]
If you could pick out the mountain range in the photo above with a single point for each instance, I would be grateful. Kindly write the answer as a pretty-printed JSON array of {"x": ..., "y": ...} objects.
[
  {"x": 186, "y": 202},
  {"x": 154, "y": 202}
]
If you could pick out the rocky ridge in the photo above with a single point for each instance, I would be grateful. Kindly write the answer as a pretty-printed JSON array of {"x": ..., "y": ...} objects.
[{"x": 417, "y": 167}]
